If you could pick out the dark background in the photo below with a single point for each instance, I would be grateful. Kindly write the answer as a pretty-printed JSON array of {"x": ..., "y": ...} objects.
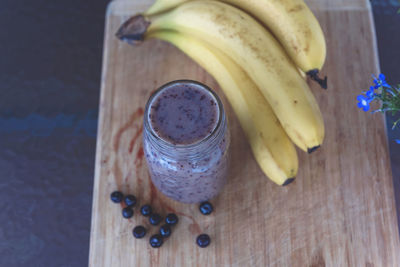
[{"x": 50, "y": 66}]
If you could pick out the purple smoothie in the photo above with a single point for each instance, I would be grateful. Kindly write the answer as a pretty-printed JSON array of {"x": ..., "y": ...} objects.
[
  {"x": 186, "y": 141},
  {"x": 183, "y": 114}
]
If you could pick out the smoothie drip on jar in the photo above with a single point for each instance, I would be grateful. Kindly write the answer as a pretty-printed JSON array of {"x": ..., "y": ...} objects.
[{"x": 183, "y": 114}]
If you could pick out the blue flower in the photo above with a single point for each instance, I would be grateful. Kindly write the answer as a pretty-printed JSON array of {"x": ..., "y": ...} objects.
[
  {"x": 363, "y": 102},
  {"x": 381, "y": 81},
  {"x": 370, "y": 93},
  {"x": 397, "y": 141}
]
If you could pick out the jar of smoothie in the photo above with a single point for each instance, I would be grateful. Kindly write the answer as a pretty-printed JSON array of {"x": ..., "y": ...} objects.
[{"x": 186, "y": 141}]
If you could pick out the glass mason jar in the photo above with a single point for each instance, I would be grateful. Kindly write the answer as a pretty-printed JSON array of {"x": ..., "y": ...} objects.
[{"x": 186, "y": 163}]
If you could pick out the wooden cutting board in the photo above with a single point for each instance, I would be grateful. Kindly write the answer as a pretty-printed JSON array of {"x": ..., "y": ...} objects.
[{"x": 340, "y": 211}]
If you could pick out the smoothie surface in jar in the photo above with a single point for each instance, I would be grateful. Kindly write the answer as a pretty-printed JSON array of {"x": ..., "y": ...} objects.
[
  {"x": 186, "y": 141},
  {"x": 183, "y": 114}
]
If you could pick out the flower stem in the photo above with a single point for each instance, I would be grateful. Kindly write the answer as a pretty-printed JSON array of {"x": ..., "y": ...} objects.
[{"x": 395, "y": 124}]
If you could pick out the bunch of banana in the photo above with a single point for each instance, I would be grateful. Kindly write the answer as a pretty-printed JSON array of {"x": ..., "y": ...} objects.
[
  {"x": 291, "y": 22},
  {"x": 262, "y": 83}
]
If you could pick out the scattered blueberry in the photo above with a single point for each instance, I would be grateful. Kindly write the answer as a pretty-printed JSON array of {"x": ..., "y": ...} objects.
[
  {"x": 171, "y": 219},
  {"x": 203, "y": 240},
  {"x": 206, "y": 208},
  {"x": 145, "y": 210},
  {"x": 156, "y": 241},
  {"x": 139, "y": 231},
  {"x": 165, "y": 230},
  {"x": 127, "y": 212},
  {"x": 155, "y": 219},
  {"x": 130, "y": 200},
  {"x": 116, "y": 196}
]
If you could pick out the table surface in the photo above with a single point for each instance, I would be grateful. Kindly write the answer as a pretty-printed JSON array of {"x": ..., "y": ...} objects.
[{"x": 50, "y": 74}]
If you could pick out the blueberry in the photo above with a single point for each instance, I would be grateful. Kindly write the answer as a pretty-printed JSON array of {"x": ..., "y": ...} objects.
[
  {"x": 203, "y": 240},
  {"x": 127, "y": 212},
  {"x": 145, "y": 210},
  {"x": 130, "y": 200},
  {"x": 156, "y": 241},
  {"x": 171, "y": 219},
  {"x": 116, "y": 196},
  {"x": 206, "y": 208},
  {"x": 155, "y": 219},
  {"x": 139, "y": 231},
  {"x": 165, "y": 230}
]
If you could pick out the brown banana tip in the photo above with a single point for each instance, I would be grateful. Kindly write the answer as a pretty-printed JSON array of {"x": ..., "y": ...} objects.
[
  {"x": 288, "y": 181},
  {"x": 133, "y": 30},
  {"x": 314, "y": 76},
  {"x": 311, "y": 150}
]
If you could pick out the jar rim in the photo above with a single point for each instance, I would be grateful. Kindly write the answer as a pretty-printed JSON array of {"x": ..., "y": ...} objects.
[{"x": 150, "y": 129}]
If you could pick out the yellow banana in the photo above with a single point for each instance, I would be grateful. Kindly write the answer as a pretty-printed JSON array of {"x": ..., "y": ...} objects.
[
  {"x": 253, "y": 48},
  {"x": 160, "y": 6},
  {"x": 292, "y": 23},
  {"x": 271, "y": 147}
]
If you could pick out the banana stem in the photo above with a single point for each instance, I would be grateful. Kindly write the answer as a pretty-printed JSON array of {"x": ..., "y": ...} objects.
[
  {"x": 133, "y": 30},
  {"x": 314, "y": 76}
]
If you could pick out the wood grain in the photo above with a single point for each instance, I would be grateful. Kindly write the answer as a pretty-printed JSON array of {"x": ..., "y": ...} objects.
[{"x": 339, "y": 212}]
